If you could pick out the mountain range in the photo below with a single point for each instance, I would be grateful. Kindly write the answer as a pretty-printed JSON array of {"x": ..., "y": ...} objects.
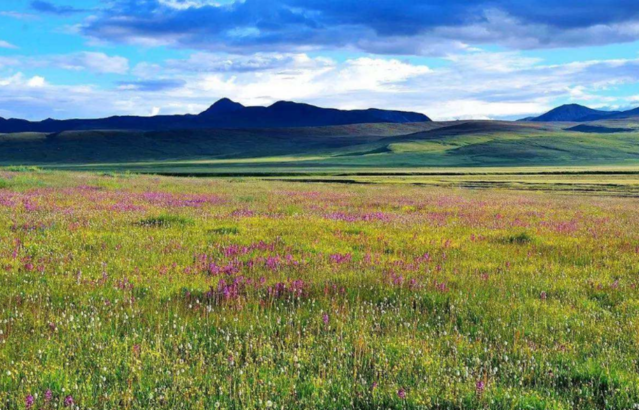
[
  {"x": 580, "y": 113},
  {"x": 223, "y": 114}
]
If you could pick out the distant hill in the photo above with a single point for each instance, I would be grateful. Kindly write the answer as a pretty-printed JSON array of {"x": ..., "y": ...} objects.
[
  {"x": 580, "y": 113},
  {"x": 223, "y": 114},
  {"x": 572, "y": 113},
  {"x": 361, "y": 146},
  {"x": 624, "y": 115}
]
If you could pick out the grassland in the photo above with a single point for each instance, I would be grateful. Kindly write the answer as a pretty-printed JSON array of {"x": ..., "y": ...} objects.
[
  {"x": 137, "y": 292},
  {"x": 352, "y": 149}
]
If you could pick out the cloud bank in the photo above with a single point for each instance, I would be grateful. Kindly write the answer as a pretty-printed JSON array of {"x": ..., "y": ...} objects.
[
  {"x": 473, "y": 85},
  {"x": 426, "y": 27}
]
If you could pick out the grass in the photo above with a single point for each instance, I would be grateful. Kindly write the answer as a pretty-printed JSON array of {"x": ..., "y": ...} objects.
[
  {"x": 519, "y": 239},
  {"x": 124, "y": 291},
  {"x": 470, "y": 144},
  {"x": 164, "y": 221},
  {"x": 231, "y": 230}
]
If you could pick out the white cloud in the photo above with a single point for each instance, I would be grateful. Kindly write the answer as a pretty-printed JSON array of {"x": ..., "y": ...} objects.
[
  {"x": 376, "y": 74},
  {"x": 186, "y": 4},
  {"x": 36, "y": 82},
  {"x": 476, "y": 84},
  {"x": 18, "y": 15},
  {"x": 8, "y": 62},
  {"x": 6, "y": 44},
  {"x": 201, "y": 62},
  {"x": 95, "y": 62},
  {"x": 92, "y": 61}
]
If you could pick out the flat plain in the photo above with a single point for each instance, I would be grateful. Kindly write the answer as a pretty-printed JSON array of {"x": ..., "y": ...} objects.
[{"x": 357, "y": 291}]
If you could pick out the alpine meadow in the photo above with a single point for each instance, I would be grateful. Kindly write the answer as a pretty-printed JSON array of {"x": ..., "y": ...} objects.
[{"x": 322, "y": 205}]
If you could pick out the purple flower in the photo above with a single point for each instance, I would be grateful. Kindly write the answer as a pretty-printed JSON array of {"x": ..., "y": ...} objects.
[
  {"x": 401, "y": 393},
  {"x": 480, "y": 386},
  {"x": 325, "y": 318},
  {"x": 48, "y": 395},
  {"x": 341, "y": 258},
  {"x": 29, "y": 401},
  {"x": 68, "y": 401},
  {"x": 543, "y": 295}
]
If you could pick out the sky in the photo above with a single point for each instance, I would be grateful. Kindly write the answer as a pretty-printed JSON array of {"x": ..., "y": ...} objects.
[{"x": 453, "y": 59}]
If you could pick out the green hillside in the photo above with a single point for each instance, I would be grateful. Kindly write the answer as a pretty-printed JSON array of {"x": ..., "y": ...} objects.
[{"x": 355, "y": 147}]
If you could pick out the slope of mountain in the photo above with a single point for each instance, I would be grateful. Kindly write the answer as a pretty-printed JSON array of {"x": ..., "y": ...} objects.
[
  {"x": 624, "y": 114},
  {"x": 223, "y": 106},
  {"x": 223, "y": 114},
  {"x": 361, "y": 146},
  {"x": 572, "y": 113}
]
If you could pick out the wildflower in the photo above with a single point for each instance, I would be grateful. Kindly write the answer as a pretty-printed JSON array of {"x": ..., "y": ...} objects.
[
  {"x": 401, "y": 393},
  {"x": 48, "y": 395},
  {"x": 269, "y": 404},
  {"x": 325, "y": 318},
  {"x": 68, "y": 401},
  {"x": 543, "y": 296},
  {"x": 341, "y": 258},
  {"x": 480, "y": 386},
  {"x": 29, "y": 401}
]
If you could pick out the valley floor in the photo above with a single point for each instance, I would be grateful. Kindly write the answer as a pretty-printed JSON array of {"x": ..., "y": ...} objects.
[{"x": 387, "y": 292}]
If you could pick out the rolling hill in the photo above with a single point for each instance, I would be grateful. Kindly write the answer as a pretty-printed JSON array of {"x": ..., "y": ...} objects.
[
  {"x": 223, "y": 114},
  {"x": 343, "y": 147},
  {"x": 571, "y": 113},
  {"x": 580, "y": 113}
]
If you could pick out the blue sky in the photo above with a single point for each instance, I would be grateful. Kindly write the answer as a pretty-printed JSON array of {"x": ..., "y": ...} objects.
[{"x": 449, "y": 59}]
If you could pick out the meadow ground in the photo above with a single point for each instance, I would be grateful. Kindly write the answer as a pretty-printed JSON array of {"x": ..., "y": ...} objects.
[{"x": 141, "y": 292}]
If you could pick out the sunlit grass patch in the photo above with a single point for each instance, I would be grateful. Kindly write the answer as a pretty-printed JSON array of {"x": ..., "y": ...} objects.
[{"x": 22, "y": 168}]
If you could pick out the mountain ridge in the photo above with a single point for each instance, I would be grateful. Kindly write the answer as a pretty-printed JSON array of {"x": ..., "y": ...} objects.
[
  {"x": 225, "y": 113},
  {"x": 581, "y": 113}
]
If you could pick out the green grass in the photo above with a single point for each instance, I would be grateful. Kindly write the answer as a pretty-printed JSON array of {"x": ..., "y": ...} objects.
[
  {"x": 519, "y": 239},
  {"x": 165, "y": 221},
  {"x": 227, "y": 230},
  {"x": 469, "y": 144},
  {"x": 138, "y": 292}
]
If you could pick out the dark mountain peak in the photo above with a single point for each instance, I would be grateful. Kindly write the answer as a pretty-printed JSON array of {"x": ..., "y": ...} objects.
[
  {"x": 572, "y": 113},
  {"x": 223, "y": 106},
  {"x": 225, "y": 114},
  {"x": 290, "y": 105},
  {"x": 626, "y": 114},
  {"x": 572, "y": 107},
  {"x": 284, "y": 103}
]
